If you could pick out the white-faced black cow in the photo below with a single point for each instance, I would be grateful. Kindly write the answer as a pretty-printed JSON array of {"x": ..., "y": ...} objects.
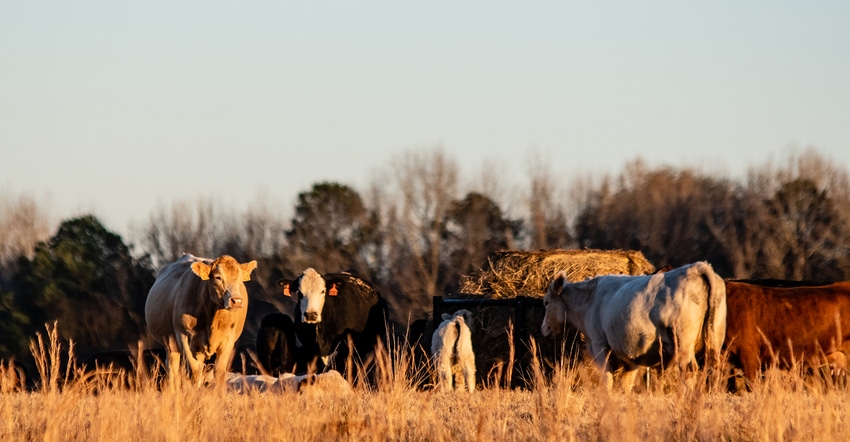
[{"x": 331, "y": 309}]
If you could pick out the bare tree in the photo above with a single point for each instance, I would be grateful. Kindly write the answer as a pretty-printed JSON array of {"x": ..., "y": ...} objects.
[
  {"x": 809, "y": 227},
  {"x": 735, "y": 221},
  {"x": 806, "y": 217},
  {"x": 201, "y": 228},
  {"x": 786, "y": 222},
  {"x": 661, "y": 212},
  {"x": 24, "y": 222},
  {"x": 548, "y": 220},
  {"x": 425, "y": 184},
  {"x": 263, "y": 230}
]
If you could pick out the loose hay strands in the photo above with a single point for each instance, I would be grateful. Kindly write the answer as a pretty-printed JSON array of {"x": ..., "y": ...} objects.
[{"x": 515, "y": 273}]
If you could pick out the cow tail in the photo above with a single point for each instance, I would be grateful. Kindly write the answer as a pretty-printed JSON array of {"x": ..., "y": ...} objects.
[
  {"x": 456, "y": 325},
  {"x": 714, "y": 328}
]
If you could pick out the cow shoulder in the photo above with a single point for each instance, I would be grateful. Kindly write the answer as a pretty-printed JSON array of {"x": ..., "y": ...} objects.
[
  {"x": 351, "y": 285},
  {"x": 352, "y": 300}
]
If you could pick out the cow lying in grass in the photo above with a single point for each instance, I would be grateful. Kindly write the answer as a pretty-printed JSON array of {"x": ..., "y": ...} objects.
[
  {"x": 331, "y": 381},
  {"x": 451, "y": 347}
]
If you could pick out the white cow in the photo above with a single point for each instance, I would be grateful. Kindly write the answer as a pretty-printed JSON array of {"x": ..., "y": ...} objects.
[
  {"x": 330, "y": 380},
  {"x": 633, "y": 321},
  {"x": 451, "y": 347}
]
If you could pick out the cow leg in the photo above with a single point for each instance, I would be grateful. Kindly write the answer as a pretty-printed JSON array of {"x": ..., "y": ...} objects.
[
  {"x": 444, "y": 371},
  {"x": 469, "y": 375},
  {"x": 606, "y": 361},
  {"x": 196, "y": 366},
  {"x": 688, "y": 370},
  {"x": 750, "y": 364},
  {"x": 174, "y": 368},
  {"x": 627, "y": 378},
  {"x": 222, "y": 361},
  {"x": 173, "y": 360}
]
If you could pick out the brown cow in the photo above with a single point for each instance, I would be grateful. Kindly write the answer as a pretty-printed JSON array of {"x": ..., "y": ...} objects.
[
  {"x": 196, "y": 308},
  {"x": 786, "y": 322}
]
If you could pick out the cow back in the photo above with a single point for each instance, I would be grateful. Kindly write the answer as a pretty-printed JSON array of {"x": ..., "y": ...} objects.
[
  {"x": 639, "y": 316},
  {"x": 175, "y": 290}
]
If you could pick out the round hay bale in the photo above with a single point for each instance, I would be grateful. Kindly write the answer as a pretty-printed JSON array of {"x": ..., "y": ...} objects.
[{"x": 515, "y": 273}]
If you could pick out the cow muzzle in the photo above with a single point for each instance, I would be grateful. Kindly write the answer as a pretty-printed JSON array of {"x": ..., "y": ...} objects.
[
  {"x": 311, "y": 317},
  {"x": 231, "y": 303},
  {"x": 544, "y": 329}
]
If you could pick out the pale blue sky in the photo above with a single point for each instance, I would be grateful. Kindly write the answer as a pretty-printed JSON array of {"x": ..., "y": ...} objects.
[{"x": 116, "y": 107}]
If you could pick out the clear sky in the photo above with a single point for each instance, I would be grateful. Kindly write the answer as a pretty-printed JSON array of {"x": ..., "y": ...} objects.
[{"x": 115, "y": 107}]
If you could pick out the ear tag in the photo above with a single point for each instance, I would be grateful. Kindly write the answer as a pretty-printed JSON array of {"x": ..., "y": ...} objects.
[
  {"x": 286, "y": 291},
  {"x": 333, "y": 290}
]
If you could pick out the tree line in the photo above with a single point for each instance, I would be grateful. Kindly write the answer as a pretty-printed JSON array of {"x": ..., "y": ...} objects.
[{"x": 417, "y": 232}]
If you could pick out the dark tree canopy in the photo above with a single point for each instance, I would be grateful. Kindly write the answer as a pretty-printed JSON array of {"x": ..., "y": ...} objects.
[
  {"x": 85, "y": 278},
  {"x": 475, "y": 226},
  {"x": 329, "y": 230}
]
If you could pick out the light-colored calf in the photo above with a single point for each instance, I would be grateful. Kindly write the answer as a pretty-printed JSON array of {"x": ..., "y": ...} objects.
[{"x": 451, "y": 347}]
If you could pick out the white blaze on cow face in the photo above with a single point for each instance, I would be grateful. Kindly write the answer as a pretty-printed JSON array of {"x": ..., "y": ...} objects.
[
  {"x": 556, "y": 309},
  {"x": 312, "y": 290}
]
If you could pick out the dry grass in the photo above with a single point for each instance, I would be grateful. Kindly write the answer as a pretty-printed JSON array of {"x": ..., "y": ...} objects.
[{"x": 568, "y": 406}]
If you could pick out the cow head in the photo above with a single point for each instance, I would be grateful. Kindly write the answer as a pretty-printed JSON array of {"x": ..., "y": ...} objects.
[
  {"x": 556, "y": 308},
  {"x": 292, "y": 383},
  {"x": 226, "y": 279},
  {"x": 312, "y": 289}
]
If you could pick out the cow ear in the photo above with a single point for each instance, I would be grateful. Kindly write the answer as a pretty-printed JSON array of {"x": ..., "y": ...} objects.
[
  {"x": 247, "y": 268},
  {"x": 201, "y": 269},
  {"x": 333, "y": 291},
  {"x": 558, "y": 284},
  {"x": 284, "y": 286},
  {"x": 446, "y": 316}
]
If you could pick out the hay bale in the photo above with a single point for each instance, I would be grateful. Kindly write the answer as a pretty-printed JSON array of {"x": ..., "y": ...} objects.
[{"x": 515, "y": 273}]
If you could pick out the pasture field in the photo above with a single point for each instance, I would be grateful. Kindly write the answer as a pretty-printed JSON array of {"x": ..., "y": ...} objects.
[{"x": 570, "y": 405}]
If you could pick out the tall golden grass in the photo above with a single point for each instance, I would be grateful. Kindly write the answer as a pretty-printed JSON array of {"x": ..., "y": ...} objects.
[{"x": 570, "y": 405}]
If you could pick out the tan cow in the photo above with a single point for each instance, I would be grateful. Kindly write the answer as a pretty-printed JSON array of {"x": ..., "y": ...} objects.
[{"x": 196, "y": 309}]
